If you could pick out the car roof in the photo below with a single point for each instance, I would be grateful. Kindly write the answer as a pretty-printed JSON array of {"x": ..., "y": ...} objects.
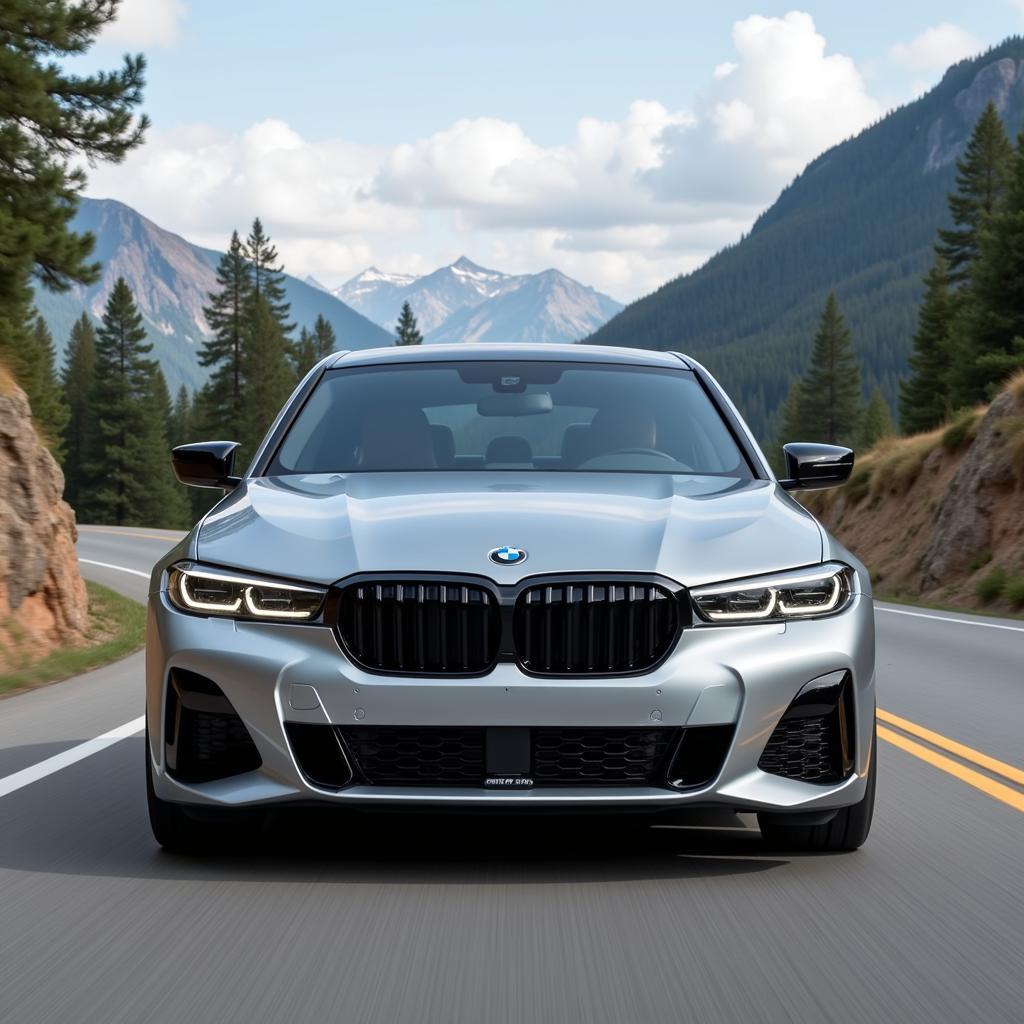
[{"x": 558, "y": 353}]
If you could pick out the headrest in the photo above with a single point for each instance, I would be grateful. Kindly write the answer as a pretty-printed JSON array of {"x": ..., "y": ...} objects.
[
  {"x": 574, "y": 443},
  {"x": 509, "y": 449},
  {"x": 444, "y": 444}
]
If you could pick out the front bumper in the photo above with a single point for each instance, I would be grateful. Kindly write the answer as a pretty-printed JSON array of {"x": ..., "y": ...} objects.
[{"x": 742, "y": 675}]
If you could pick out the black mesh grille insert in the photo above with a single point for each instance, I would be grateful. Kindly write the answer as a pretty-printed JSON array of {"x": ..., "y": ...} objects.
[
  {"x": 205, "y": 738},
  {"x": 416, "y": 756},
  {"x": 628, "y": 757},
  {"x": 420, "y": 628},
  {"x": 440, "y": 756},
  {"x": 600, "y": 628},
  {"x": 813, "y": 741},
  {"x": 801, "y": 748}
]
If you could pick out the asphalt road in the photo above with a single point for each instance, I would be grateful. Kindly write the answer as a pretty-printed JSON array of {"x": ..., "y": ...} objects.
[{"x": 355, "y": 922}]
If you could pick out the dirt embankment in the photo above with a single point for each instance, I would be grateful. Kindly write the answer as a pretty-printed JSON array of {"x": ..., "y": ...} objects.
[
  {"x": 42, "y": 596},
  {"x": 939, "y": 517}
]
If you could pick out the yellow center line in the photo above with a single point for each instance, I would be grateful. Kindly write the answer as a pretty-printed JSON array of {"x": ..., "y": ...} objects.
[
  {"x": 1007, "y": 771},
  {"x": 994, "y": 789}
]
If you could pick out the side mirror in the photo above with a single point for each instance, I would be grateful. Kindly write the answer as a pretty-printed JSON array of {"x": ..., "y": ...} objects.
[
  {"x": 813, "y": 467},
  {"x": 207, "y": 464}
]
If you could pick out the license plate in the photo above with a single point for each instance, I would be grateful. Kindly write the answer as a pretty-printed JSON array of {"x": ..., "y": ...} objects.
[{"x": 507, "y": 782}]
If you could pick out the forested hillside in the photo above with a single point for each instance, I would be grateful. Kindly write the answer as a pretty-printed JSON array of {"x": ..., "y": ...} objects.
[
  {"x": 860, "y": 220},
  {"x": 171, "y": 279}
]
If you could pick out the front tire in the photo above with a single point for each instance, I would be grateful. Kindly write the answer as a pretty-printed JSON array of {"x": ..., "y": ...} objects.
[
  {"x": 178, "y": 832},
  {"x": 847, "y": 831}
]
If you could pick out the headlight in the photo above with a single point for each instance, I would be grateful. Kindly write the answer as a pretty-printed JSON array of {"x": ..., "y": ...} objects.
[
  {"x": 802, "y": 593},
  {"x": 205, "y": 591}
]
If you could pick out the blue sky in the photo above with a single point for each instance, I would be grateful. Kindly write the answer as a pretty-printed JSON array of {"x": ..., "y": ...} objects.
[{"x": 623, "y": 143}]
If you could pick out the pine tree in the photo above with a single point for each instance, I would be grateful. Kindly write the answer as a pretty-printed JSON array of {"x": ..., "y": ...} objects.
[
  {"x": 407, "y": 331},
  {"x": 793, "y": 426},
  {"x": 925, "y": 398},
  {"x": 179, "y": 430},
  {"x": 982, "y": 174},
  {"x": 52, "y": 122},
  {"x": 159, "y": 500},
  {"x": 303, "y": 354},
  {"x": 39, "y": 379},
  {"x": 313, "y": 346},
  {"x": 226, "y": 314},
  {"x": 123, "y": 413},
  {"x": 267, "y": 377},
  {"x": 324, "y": 339},
  {"x": 994, "y": 320},
  {"x": 876, "y": 422},
  {"x": 830, "y": 394},
  {"x": 266, "y": 275},
  {"x": 78, "y": 380}
]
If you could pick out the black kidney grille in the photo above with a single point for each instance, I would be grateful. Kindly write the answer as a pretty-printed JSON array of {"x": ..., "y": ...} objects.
[
  {"x": 606, "y": 628},
  {"x": 420, "y": 627},
  {"x": 607, "y": 756}
]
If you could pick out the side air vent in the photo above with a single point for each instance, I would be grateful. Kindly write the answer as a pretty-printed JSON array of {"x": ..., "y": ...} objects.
[
  {"x": 594, "y": 628},
  {"x": 420, "y": 628},
  {"x": 204, "y": 737},
  {"x": 319, "y": 754},
  {"x": 700, "y": 755},
  {"x": 813, "y": 741}
]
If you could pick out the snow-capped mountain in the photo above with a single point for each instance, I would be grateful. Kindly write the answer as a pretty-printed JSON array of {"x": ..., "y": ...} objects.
[
  {"x": 466, "y": 302},
  {"x": 314, "y": 283},
  {"x": 546, "y": 307},
  {"x": 375, "y": 294},
  {"x": 433, "y": 297}
]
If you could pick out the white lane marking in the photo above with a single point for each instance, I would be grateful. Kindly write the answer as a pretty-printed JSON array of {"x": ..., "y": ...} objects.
[
  {"x": 120, "y": 568},
  {"x": 946, "y": 618},
  {"x": 35, "y": 772}
]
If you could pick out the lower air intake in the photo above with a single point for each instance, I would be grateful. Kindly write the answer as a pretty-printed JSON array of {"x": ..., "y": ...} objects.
[
  {"x": 204, "y": 737},
  {"x": 563, "y": 756},
  {"x": 813, "y": 741}
]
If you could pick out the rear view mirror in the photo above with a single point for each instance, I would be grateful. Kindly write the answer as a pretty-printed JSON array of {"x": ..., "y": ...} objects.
[
  {"x": 813, "y": 467},
  {"x": 206, "y": 464},
  {"x": 515, "y": 404}
]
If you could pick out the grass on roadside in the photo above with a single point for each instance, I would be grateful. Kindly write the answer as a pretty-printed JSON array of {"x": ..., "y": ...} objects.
[
  {"x": 117, "y": 627},
  {"x": 938, "y": 606}
]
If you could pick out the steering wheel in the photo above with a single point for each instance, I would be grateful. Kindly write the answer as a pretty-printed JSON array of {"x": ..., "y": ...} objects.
[
  {"x": 642, "y": 451},
  {"x": 654, "y": 452}
]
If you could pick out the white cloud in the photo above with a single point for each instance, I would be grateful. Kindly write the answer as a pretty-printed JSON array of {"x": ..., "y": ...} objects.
[
  {"x": 146, "y": 23},
  {"x": 785, "y": 101},
  {"x": 492, "y": 173},
  {"x": 622, "y": 204},
  {"x": 937, "y": 47}
]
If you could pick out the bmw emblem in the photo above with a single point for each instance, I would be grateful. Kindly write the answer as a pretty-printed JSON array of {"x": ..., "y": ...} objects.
[{"x": 507, "y": 555}]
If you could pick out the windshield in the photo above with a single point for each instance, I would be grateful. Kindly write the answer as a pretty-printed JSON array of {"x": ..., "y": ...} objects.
[{"x": 518, "y": 415}]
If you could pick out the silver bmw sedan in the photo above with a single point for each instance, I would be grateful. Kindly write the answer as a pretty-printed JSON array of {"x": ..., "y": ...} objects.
[{"x": 506, "y": 579}]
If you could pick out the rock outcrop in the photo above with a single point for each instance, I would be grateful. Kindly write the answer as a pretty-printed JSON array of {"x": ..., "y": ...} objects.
[
  {"x": 42, "y": 596},
  {"x": 934, "y": 515},
  {"x": 969, "y": 513}
]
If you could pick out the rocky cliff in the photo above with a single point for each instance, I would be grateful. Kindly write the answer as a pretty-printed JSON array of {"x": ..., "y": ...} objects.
[
  {"x": 42, "y": 596},
  {"x": 940, "y": 516}
]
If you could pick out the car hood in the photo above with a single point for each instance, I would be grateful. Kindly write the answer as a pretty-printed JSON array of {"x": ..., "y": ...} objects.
[{"x": 692, "y": 529}]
